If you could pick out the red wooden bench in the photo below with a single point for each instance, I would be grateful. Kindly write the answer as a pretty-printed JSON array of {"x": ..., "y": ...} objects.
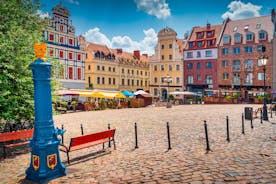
[
  {"x": 21, "y": 137},
  {"x": 86, "y": 141}
]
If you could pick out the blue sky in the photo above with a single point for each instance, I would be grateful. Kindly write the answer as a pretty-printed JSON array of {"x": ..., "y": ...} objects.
[{"x": 134, "y": 24}]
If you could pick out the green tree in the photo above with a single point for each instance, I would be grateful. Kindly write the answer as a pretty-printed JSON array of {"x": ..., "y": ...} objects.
[{"x": 20, "y": 28}]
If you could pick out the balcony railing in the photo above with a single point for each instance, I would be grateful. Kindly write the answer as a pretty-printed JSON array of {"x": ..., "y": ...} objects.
[
  {"x": 249, "y": 83},
  {"x": 248, "y": 67},
  {"x": 236, "y": 82}
]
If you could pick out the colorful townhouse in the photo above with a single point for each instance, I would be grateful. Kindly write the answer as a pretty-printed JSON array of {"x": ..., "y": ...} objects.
[
  {"x": 114, "y": 69},
  {"x": 200, "y": 58},
  {"x": 63, "y": 46},
  {"x": 242, "y": 44},
  {"x": 167, "y": 62}
]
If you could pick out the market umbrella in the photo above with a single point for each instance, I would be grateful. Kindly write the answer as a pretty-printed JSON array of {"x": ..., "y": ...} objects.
[{"x": 128, "y": 94}]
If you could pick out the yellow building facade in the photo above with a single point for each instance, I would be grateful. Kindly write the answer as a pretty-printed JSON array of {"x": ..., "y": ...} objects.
[
  {"x": 134, "y": 74},
  {"x": 115, "y": 70},
  {"x": 167, "y": 61}
]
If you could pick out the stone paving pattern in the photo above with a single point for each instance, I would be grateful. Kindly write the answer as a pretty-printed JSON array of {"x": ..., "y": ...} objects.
[{"x": 249, "y": 158}]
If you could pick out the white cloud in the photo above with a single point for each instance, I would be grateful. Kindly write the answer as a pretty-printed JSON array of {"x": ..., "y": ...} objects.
[
  {"x": 240, "y": 10},
  {"x": 125, "y": 42},
  {"x": 76, "y": 2},
  {"x": 43, "y": 14},
  {"x": 94, "y": 35},
  {"x": 158, "y": 8}
]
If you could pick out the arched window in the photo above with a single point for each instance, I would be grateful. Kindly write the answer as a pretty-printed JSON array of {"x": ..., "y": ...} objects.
[
  {"x": 190, "y": 65},
  {"x": 226, "y": 39},
  {"x": 249, "y": 36},
  {"x": 262, "y": 35},
  {"x": 237, "y": 38}
]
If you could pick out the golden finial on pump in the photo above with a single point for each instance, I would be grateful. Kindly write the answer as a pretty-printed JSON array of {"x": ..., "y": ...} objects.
[{"x": 40, "y": 51}]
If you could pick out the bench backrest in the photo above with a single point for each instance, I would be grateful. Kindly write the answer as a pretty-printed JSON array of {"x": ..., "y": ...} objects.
[
  {"x": 11, "y": 136},
  {"x": 92, "y": 137}
]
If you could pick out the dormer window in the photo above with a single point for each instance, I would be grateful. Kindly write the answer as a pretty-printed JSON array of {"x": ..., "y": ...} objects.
[
  {"x": 210, "y": 42},
  {"x": 262, "y": 35},
  {"x": 226, "y": 39},
  {"x": 97, "y": 55},
  {"x": 210, "y": 34},
  {"x": 258, "y": 26},
  {"x": 199, "y": 44},
  {"x": 237, "y": 38},
  {"x": 199, "y": 35},
  {"x": 191, "y": 44},
  {"x": 249, "y": 36}
]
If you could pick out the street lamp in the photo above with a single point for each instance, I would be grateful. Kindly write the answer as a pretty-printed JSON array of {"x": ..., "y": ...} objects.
[
  {"x": 263, "y": 61},
  {"x": 168, "y": 79}
]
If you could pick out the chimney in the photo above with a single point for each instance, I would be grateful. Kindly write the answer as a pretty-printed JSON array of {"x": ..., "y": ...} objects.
[
  {"x": 136, "y": 54},
  {"x": 119, "y": 51},
  {"x": 208, "y": 26},
  {"x": 146, "y": 55}
]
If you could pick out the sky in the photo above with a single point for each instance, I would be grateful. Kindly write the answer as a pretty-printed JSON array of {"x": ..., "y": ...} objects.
[{"x": 134, "y": 24}]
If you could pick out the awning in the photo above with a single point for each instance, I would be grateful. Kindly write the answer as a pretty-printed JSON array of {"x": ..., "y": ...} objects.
[
  {"x": 87, "y": 93},
  {"x": 112, "y": 95},
  {"x": 67, "y": 93},
  {"x": 99, "y": 94},
  {"x": 188, "y": 93}
]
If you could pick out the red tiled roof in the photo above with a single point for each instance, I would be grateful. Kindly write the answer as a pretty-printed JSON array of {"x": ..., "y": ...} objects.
[
  {"x": 93, "y": 47},
  {"x": 97, "y": 47},
  {"x": 215, "y": 28}
]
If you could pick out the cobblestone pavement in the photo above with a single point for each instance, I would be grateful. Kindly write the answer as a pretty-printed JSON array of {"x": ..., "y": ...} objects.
[{"x": 249, "y": 158}]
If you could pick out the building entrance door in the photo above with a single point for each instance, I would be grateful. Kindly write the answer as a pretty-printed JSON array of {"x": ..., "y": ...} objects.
[{"x": 164, "y": 94}]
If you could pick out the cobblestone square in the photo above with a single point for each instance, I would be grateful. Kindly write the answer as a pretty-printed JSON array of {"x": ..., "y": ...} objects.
[{"x": 249, "y": 158}]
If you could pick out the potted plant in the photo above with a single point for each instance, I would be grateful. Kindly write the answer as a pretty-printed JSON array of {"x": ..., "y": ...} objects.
[
  {"x": 228, "y": 98},
  {"x": 74, "y": 104},
  {"x": 260, "y": 98},
  {"x": 102, "y": 104}
]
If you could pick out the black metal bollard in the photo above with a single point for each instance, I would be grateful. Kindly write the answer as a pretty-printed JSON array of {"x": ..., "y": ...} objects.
[
  {"x": 243, "y": 124},
  {"x": 81, "y": 129},
  {"x": 169, "y": 137},
  {"x": 109, "y": 142},
  {"x": 227, "y": 129},
  {"x": 62, "y": 137},
  {"x": 261, "y": 116},
  {"x": 136, "y": 136},
  {"x": 271, "y": 112},
  {"x": 206, "y": 135},
  {"x": 251, "y": 122}
]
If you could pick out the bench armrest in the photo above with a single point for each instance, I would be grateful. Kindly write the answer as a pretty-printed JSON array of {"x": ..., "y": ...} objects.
[{"x": 64, "y": 148}]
